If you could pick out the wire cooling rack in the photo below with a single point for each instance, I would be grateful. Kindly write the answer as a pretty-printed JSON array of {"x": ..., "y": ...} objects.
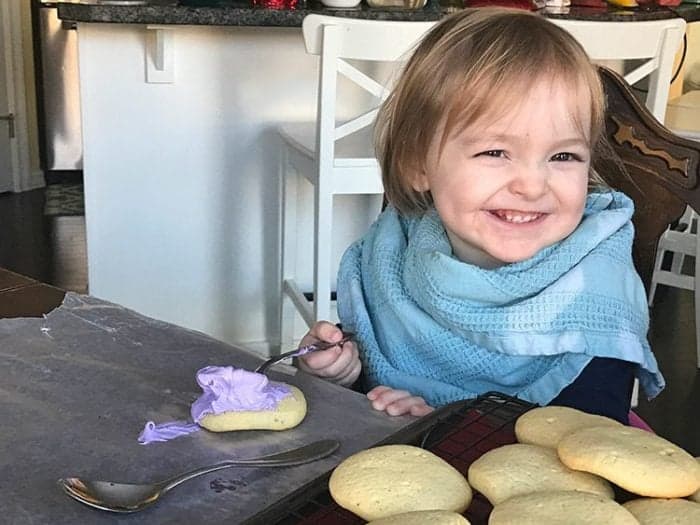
[{"x": 459, "y": 433}]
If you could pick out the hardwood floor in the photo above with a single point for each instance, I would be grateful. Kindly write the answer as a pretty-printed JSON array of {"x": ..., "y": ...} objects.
[
  {"x": 674, "y": 413},
  {"x": 53, "y": 250}
]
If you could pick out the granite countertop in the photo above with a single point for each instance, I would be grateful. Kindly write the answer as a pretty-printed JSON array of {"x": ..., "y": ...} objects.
[{"x": 244, "y": 13}]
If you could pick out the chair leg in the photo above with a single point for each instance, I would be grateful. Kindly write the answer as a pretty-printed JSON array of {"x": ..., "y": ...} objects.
[
  {"x": 696, "y": 291},
  {"x": 635, "y": 394},
  {"x": 657, "y": 267},
  {"x": 323, "y": 244},
  {"x": 287, "y": 311}
]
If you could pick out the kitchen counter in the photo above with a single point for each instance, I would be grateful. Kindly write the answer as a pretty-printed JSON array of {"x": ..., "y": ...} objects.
[{"x": 243, "y": 13}]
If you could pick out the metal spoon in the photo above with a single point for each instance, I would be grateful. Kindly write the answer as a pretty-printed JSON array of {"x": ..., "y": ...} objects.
[
  {"x": 130, "y": 497},
  {"x": 302, "y": 350}
]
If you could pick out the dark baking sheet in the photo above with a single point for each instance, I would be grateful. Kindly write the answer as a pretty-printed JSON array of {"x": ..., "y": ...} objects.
[{"x": 459, "y": 433}]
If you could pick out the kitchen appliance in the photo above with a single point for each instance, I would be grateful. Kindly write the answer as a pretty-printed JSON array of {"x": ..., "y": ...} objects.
[{"x": 58, "y": 102}]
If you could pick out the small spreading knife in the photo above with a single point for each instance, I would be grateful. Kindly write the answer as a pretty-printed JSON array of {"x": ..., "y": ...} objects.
[{"x": 302, "y": 350}]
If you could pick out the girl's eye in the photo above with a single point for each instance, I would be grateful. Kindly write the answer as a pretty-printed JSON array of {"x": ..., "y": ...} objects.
[
  {"x": 497, "y": 153},
  {"x": 565, "y": 156}
]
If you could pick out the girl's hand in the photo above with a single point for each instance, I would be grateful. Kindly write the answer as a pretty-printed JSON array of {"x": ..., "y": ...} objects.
[
  {"x": 340, "y": 365},
  {"x": 398, "y": 402}
]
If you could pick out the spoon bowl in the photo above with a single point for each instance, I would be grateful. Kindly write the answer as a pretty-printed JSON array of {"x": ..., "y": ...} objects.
[{"x": 132, "y": 497}]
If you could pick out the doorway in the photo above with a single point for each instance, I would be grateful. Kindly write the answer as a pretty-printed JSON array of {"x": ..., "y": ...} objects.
[{"x": 6, "y": 115}]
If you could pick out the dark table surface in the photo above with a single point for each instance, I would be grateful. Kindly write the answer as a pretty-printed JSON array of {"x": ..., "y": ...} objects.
[
  {"x": 244, "y": 13},
  {"x": 79, "y": 383}
]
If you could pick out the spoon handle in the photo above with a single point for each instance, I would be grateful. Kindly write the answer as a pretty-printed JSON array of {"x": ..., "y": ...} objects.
[
  {"x": 298, "y": 456},
  {"x": 302, "y": 350}
]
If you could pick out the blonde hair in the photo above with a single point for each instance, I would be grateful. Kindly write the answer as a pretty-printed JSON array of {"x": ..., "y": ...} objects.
[{"x": 468, "y": 65}]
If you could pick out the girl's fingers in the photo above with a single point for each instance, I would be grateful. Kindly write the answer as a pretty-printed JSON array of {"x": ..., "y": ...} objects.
[
  {"x": 388, "y": 396},
  {"x": 421, "y": 409},
  {"x": 352, "y": 375},
  {"x": 376, "y": 392},
  {"x": 397, "y": 402},
  {"x": 321, "y": 360},
  {"x": 349, "y": 365},
  {"x": 335, "y": 364},
  {"x": 322, "y": 331}
]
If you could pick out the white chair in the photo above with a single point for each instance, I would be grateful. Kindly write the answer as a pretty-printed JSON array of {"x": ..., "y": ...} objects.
[
  {"x": 680, "y": 243},
  {"x": 335, "y": 153},
  {"x": 652, "y": 43}
]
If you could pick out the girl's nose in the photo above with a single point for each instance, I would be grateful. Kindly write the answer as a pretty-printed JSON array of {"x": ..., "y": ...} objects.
[{"x": 529, "y": 182}]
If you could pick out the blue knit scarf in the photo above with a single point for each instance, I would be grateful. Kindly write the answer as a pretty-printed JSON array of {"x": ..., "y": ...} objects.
[{"x": 447, "y": 330}]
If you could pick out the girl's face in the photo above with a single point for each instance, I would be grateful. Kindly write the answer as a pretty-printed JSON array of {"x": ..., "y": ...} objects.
[{"x": 507, "y": 187}]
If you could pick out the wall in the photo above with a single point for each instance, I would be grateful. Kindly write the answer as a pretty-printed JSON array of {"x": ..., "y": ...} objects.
[
  {"x": 29, "y": 83},
  {"x": 181, "y": 179},
  {"x": 692, "y": 60}
]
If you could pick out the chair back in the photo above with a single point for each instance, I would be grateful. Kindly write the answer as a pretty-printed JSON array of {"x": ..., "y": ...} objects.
[
  {"x": 662, "y": 169},
  {"x": 652, "y": 44},
  {"x": 338, "y": 41}
]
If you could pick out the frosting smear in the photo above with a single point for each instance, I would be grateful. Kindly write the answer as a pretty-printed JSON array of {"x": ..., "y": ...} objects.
[{"x": 153, "y": 433}]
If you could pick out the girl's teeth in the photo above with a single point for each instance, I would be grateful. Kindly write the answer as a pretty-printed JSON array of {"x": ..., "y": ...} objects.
[{"x": 518, "y": 217}]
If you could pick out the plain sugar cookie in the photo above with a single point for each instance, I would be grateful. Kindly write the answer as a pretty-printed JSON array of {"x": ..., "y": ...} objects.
[
  {"x": 560, "y": 508},
  {"x": 393, "y": 479},
  {"x": 290, "y": 411},
  {"x": 651, "y": 511},
  {"x": 636, "y": 460},
  {"x": 512, "y": 470},
  {"x": 545, "y": 426},
  {"x": 423, "y": 517},
  {"x": 695, "y": 497}
]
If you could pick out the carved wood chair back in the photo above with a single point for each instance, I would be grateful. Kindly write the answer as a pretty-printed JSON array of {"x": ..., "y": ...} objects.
[{"x": 661, "y": 170}]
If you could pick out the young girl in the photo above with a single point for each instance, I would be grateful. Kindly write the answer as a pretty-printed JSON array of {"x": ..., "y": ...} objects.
[{"x": 501, "y": 262}]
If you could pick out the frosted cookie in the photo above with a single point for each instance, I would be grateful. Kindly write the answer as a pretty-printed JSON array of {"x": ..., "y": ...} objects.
[
  {"x": 394, "y": 479},
  {"x": 423, "y": 517},
  {"x": 636, "y": 460},
  {"x": 235, "y": 399},
  {"x": 651, "y": 511},
  {"x": 559, "y": 508},
  {"x": 545, "y": 426},
  {"x": 512, "y": 470},
  {"x": 696, "y": 497}
]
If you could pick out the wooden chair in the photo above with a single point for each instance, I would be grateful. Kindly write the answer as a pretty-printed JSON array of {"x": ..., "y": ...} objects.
[{"x": 663, "y": 171}]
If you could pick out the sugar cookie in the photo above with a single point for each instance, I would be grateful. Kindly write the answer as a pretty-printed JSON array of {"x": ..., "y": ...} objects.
[
  {"x": 560, "y": 507},
  {"x": 695, "y": 497},
  {"x": 636, "y": 460},
  {"x": 657, "y": 511},
  {"x": 393, "y": 479},
  {"x": 516, "y": 469},
  {"x": 423, "y": 517},
  {"x": 545, "y": 426},
  {"x": 290, "y": 411}
]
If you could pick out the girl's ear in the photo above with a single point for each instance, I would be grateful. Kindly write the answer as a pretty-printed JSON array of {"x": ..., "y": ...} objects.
[{"x": 419, "y": 181}]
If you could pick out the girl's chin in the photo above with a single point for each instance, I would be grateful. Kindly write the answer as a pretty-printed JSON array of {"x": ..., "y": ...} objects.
[{"x": 514, "y": 256}]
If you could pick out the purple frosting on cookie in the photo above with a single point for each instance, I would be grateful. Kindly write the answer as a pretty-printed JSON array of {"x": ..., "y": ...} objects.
[{"x": 229, "y": 389}]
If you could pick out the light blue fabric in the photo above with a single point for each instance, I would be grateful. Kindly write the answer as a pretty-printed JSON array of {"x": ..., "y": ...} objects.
[{"x": 448, "y": 330}]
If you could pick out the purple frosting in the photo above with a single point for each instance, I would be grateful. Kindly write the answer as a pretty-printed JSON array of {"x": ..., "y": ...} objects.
[{"x": 229, "y": 389}]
